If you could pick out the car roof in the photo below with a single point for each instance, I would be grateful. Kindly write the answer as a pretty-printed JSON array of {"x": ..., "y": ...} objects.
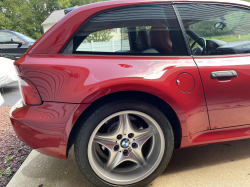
[
  {"x": 5, "y": 31},
  {"x": 237, "y": 2},
  {"x": 52, "y": 41}
]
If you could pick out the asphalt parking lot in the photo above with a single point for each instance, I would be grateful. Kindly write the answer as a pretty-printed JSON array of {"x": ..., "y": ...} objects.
[
  {"x": 215, "y": 165},
  {"x": 11, "y": 94}
]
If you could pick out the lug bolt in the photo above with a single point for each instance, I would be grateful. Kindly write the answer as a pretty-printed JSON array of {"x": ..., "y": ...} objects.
[
  {"x": 131, "y": 135},
  {"x": 119, "y": 137},
  {"x": 125, "y": 153},
  {"x": 116, "y": 148},
  {"x": 134, "y": 145}
]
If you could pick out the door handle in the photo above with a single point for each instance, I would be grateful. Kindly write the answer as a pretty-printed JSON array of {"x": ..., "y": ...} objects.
[{"x": 218, "y": 74}]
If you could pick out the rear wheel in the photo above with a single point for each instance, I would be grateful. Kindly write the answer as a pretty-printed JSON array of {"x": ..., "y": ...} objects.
[{"x": 124, "y": 143}]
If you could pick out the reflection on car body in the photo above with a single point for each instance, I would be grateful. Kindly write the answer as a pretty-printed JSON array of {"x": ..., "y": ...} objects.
[{"x": 126, "y": 82}]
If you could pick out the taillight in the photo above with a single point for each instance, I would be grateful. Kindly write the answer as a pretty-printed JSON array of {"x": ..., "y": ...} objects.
[{"x": 29, "y": 92}]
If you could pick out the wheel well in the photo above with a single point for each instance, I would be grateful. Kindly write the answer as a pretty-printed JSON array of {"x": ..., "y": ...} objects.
[{"x": 152, "y": 99}]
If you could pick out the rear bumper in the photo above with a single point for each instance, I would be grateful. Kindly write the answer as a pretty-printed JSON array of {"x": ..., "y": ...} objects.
[{"x": 46, "y": 127}]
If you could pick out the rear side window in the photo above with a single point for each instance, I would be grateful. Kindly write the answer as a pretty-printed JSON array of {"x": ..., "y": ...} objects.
[
  {"x": 225, "y": 29},
  {"x": 146, "y": 29}
]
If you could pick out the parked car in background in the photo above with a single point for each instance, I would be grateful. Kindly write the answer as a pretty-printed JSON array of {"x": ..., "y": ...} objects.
[
  {"x": 126, "y": 82},
  {"x": 1, "y": 99},
  {"x": 7, "y": 72},
  {"x": 14, "y": 44}
]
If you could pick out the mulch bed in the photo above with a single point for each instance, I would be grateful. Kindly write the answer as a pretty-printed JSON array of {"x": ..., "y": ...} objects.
[{"x": 10, "y": 146}]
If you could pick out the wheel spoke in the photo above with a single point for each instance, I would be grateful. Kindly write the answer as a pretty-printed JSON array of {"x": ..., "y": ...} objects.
[
  {"x": 118, "y": 158},
  {"x": 138, "y": 156},
  {"x": 142, "y": 136},
  {"x": 114, "y": 160},
  {"x": 105, "y": 140},
  {"x": 126, "y": 124}
]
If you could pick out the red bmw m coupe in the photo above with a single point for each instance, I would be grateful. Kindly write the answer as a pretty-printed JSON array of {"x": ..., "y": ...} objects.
[{"x": 128, "y": 81}]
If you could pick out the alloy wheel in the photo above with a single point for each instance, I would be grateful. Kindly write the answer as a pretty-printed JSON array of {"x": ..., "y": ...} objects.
[{"x": 126, "y": 147}]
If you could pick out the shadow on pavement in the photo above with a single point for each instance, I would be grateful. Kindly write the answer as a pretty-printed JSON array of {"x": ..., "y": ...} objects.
[
  {"x": 211, "y": 165},
  {"x": 208, "y": 155}
]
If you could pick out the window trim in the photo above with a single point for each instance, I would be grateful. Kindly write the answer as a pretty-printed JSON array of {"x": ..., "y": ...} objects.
[
  {"x": 124, "y": 54},
  {"x": 209, "y": 3},
  {"x": 182, "y": 29}
]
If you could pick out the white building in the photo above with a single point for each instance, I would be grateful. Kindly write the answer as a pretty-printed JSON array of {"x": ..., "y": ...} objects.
[{"x": 52, "y": 19}]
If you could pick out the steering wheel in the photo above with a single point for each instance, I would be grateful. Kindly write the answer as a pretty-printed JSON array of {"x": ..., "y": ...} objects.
[{"x": 198, "y": 50}]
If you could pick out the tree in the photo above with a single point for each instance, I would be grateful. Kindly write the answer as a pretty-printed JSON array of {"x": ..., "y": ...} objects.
[
  {"x": 71, "y": 3},
  {"x": 100, "y": 36},
  {"x": 103, "y": 35},
  {"x": 25, "y": 16}
]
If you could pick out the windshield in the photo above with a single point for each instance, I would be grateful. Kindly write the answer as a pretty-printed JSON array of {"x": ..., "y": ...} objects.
[{"x": 27, "y": 38}]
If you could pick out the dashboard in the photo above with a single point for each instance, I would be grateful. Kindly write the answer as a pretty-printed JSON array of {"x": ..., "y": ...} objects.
[{"x": 218, "y": 47}]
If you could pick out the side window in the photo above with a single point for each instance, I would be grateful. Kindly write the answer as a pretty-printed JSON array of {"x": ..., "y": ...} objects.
[
  {"x": 109, "y": 40},
  {"x": 5, "y": 38},
  {"x": 146, "y": 29},
  {"x": 216, "y": 29}
]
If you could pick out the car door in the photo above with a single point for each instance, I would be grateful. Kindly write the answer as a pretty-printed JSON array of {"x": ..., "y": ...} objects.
[
  {"x": 225, "y": 64},
  {"x": 5, "y": 40}
]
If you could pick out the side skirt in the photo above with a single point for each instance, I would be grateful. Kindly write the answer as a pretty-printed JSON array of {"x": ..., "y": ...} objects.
[{"x": 216, "y": 135}]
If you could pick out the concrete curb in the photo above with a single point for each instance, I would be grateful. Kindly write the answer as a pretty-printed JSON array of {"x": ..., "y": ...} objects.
[{"x": 215, "y": 165}]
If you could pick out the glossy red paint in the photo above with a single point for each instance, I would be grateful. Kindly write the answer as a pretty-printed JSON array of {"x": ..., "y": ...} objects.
[
  {"x": 46, "y": 127},
  {"x": 185, "y": 82},
  {"x": 68, "y": 84},
  {"x": 228, "y": 100},
  {"x": 53, "y": 41},
  {"x": 217, "y": 135},
  {"x": 85, "y": 81}
]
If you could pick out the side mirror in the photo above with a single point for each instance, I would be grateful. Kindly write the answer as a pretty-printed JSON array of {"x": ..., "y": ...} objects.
[{"x": 17, "y": 41}]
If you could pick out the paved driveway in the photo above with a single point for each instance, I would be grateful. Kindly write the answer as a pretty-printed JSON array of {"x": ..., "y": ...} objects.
[
  {"x": 11, "y": 94},
  {"x": 223, "y": 165}
]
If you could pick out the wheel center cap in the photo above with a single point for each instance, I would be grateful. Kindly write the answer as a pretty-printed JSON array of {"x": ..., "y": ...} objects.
[{"x": 125, "y": 143}]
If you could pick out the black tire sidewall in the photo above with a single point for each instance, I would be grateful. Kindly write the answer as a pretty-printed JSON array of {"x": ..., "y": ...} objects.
[{"x": 105, "y": 110}]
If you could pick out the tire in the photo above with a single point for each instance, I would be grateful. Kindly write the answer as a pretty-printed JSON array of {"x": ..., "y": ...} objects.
[{"x": 142, "y": 154}]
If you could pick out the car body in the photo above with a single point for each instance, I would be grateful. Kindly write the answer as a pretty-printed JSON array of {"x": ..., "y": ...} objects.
[
  {"x": 8, "y": 73},
  {"x": 202, "y": 92},
  {"x": 1, "y": 100},
  {"x": 14, "y": 44},
  {"x": 6, "y": 42}
]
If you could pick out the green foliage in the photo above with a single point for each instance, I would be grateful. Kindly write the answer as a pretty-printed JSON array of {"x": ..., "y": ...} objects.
[
  {"x": 100, "y": 36},
  {"x": 72, "y": 3},
  {"x": 6, "y": 173},
  {"x": 26, "y": 16},
  {"x": 8, "y": 158}
]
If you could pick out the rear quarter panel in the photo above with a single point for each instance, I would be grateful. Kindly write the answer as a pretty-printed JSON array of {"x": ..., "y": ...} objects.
[{"x": 85, "y": 78}]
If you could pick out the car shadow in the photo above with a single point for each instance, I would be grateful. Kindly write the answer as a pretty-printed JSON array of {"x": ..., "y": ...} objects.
[
  {"x": 207, "y": 155},
  {"x": 58, "y": 172}
]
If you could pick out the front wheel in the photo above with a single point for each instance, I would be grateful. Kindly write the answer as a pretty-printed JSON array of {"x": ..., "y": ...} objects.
[{"x": 124, "y": 143}]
